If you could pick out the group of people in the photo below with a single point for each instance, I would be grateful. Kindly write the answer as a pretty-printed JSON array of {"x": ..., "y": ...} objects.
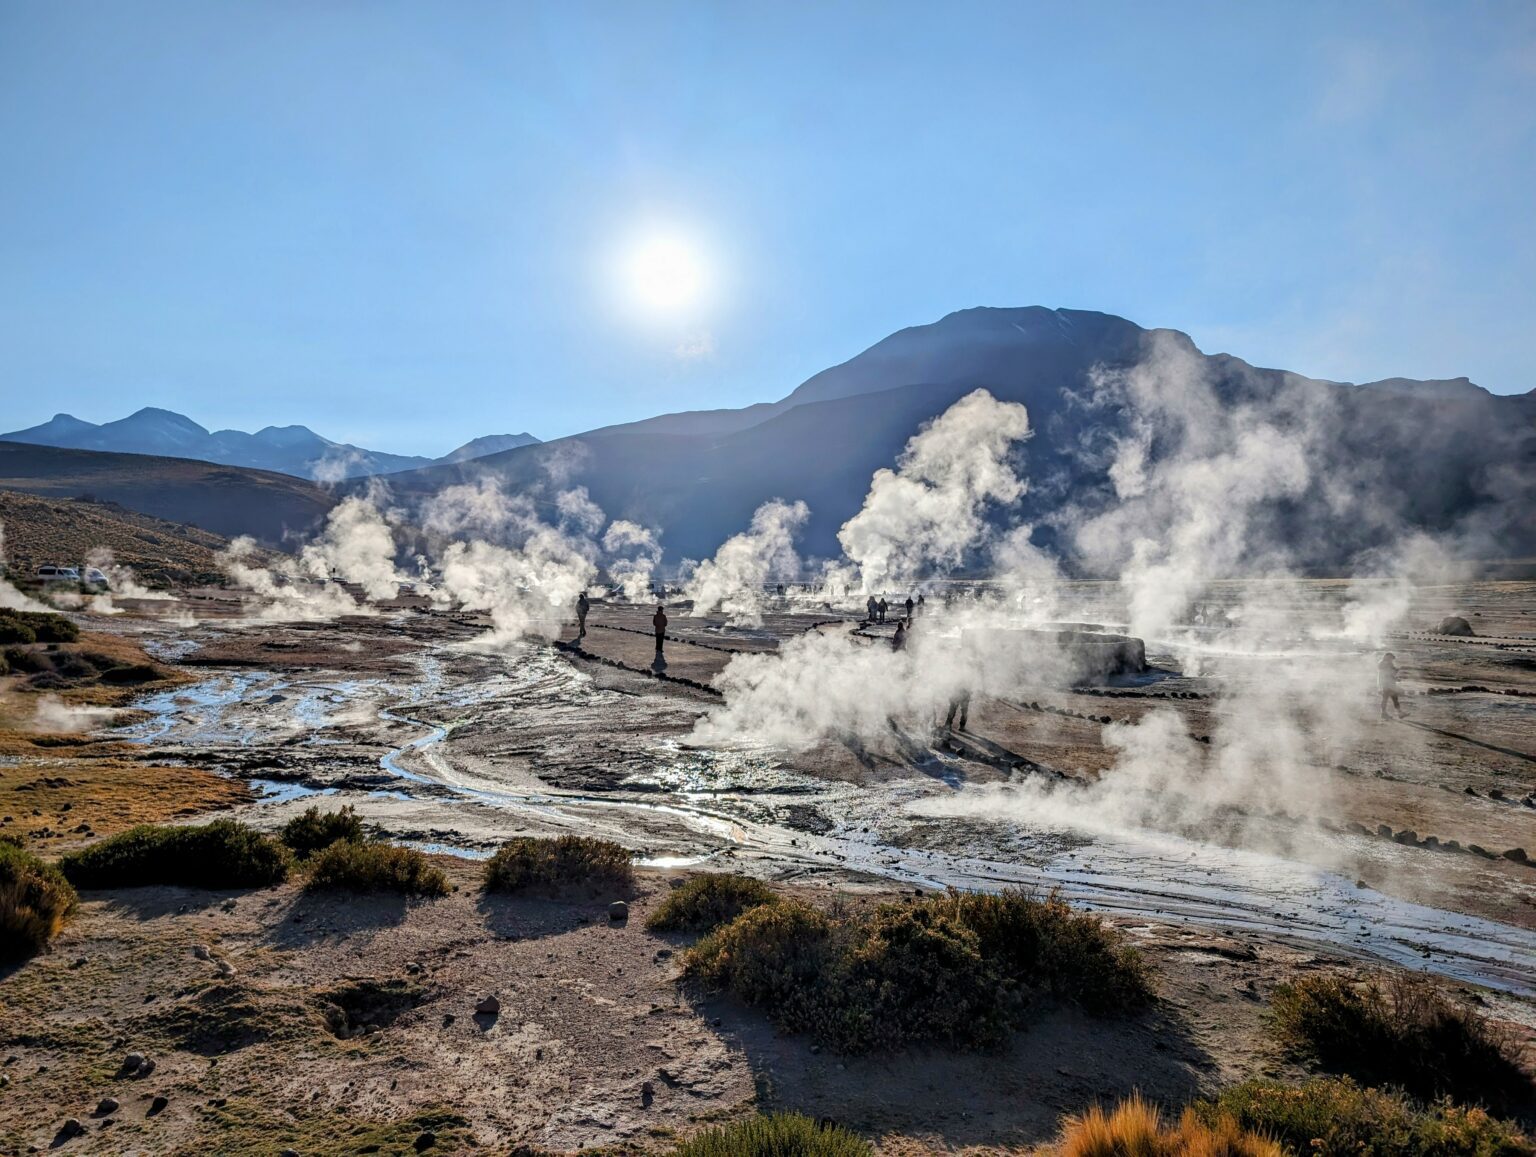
[
  {"x": 658, "y": 620},
  {"x": 877, "y": 609}
]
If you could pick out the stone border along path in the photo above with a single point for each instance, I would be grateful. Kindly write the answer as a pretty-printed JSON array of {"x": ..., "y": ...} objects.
[
  {"x": 678, "y": 639},
  {"x": 581, "y": 652}
]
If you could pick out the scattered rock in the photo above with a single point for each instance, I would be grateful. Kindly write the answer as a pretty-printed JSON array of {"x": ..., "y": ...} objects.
[
  {"x": 1517, "y": 855},
  {"x": 202, "y": 952},
  {"x": 1454, "y": 625},
  {"x": 289, "y": 1153},
  {"x": 1407, "y": 837},
  {"x": 226, "y": 969},
  {"x": 618, "y": 911},
  {"x": 424, "y": 1142},
  {"x": 490, "y": 1006},
  {"x": 133, "y": 1062},
  {"x": 1384, "y": 830},
  {"x": 157, "y": 1106},
  {"x": 413, "y": 967},
  {"x": 1479, "y": 850},
  {"x": 107, "y": 1106},
  {"x": 1495, "y": 793},
  {"x": 71, "y": 1128}
]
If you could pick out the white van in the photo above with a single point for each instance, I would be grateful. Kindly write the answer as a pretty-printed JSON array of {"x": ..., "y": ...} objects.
[{"x": 58, "y": 574}]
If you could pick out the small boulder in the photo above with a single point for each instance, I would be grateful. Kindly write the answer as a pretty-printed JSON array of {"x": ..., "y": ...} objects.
[
  {"x": 1517, "y": 855},
  {"x": 424, "y": 1141},
  {"x": 107, "y": 1106},
  {"x": 413, "y": 967},
  {"x": 202, "y": 952},
  {"x": 226, "y": 969},
  {"x": 618, "y": 911},
  {"x": 71, "y": 1128},
  {"x": 1454, "y": 625},
  {"x": 157, "y": 1106},
  {"x": 1384, "y": 830},
  {"x": 490, "y": 1006},
  {"x": 1407, "y": 837}
]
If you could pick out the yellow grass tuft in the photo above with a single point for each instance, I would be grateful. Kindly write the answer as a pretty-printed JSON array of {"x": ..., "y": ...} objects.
[{"x": 1135, "y": 1129}]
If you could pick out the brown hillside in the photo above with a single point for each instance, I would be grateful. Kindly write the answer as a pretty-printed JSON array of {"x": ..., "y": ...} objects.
[
  {"x": 63, "y": 532},
  {"x": 228, "y": 500}
]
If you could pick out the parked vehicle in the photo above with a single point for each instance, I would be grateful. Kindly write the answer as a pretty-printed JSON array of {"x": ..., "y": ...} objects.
[
  {"x": 58, "y": 574},
  {"x": 95, "y": 578}
]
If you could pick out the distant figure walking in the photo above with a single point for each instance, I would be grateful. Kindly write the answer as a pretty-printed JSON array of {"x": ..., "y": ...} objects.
[
  {"x": 882, "y": 607},
  {"x": 959, "y": 707},
  {"x": 659, "y": 621},
  {"x": 899, "y": 639},
  {"x": 583, "y": 604},
  {"x": 910, "y": 605},
  {"x": 1386, "y": 683},
  {"x": 873, "y": 608},
  {"x": 919, "y": 602}
]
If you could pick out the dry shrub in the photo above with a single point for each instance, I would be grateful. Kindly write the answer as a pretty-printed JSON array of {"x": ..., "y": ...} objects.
[
  {"x": 1402, "y": 1031},
  {"x": 316, "y": 830},
  {"x": 349, "y": 867},
  {"x": 565, "y": 863},
  {"x": 223, "y": 854},
  {"x": 951, "y": 969},
  {"x": 1330, "y": 1116},
  {"x": 709, "y": 900},
  {"x": 1135, "y": 1128},
  {"x": 35, "y": 903},
  {"x": 776, "y": 1135}
]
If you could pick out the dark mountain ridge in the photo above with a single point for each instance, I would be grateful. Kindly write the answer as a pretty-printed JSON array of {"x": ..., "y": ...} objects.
[
  {"x": 1436, "y": 456},
  {"x": 295, "y": 450}
]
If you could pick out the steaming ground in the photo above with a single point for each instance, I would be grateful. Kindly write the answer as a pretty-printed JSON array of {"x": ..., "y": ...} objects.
[{"x": 452, "y": 747}]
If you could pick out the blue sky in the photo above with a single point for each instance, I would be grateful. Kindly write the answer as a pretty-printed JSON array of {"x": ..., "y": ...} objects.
[{"x": 398, "y": 223}]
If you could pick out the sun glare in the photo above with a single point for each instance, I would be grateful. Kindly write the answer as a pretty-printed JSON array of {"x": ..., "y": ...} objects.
[{"x": 664, "y": 274}]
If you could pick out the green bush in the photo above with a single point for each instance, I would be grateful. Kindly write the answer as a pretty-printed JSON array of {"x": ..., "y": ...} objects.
[
  {"x": 1045, "y": 945},
  {"x": 375, "y": 868},
  {"x": 709, "y": 900},
  {"x": 779, "y": 1135},
  {"x": 1401, "y": 1031},
  {"x": 223, "y": 854},
  {"x": 953, "y": 969},
  {"x": 1329, "y": 1116},
  {"x": 35, "y": 902},
  {"x": 36, "y": 627},
  {"x": 309, "y": 833},
  {"x": 569, "y": 862},
  {"x": 773, "y": 956}
]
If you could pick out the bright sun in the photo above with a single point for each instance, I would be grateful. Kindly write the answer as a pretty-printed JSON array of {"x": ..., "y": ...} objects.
[{"x": 664, "y": 274}]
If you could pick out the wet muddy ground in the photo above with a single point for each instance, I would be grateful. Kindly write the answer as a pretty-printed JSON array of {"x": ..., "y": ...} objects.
[{"x": 454, "y": 747}]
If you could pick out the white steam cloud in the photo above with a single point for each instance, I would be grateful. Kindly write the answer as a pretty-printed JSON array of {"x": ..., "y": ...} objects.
[{"x": 733, "y": 582}]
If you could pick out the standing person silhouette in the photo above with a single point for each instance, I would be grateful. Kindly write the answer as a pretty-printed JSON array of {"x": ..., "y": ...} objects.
[
  {"x": 910, "y": 605},
  {"x": 583, "y": 604},
  {"x": 872, "y": 607},
  {"x": 1386, "y": 683},
  {"x": 659, "y": 621}
]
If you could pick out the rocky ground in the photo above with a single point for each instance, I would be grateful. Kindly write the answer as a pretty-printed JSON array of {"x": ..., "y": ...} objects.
[{"x": 451, "y": 747}]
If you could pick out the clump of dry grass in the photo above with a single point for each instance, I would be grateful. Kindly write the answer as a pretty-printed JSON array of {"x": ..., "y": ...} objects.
[
  {"x": 35, "y": 902},
  {"x": 1403, "y": 1031},
  {"x": 954, "y": 969},
  {"x": 566, "y": 863},
  {"x": 709, "y": 900},
  {"x": 223, "y": 854},
  {"x": 1334, "y": 1115},
  {"x": 314, "y": 830},
  {"x": 1135, "y": 1128},
  {"x": 775, "y": 1135},
  {"x": 354, "y": 867}
]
